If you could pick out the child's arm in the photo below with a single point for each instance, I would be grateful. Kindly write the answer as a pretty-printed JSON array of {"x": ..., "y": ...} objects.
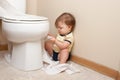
[{"x": 62, "y": 45}]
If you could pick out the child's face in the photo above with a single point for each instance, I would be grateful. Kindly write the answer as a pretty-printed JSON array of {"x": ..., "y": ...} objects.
[{"x": 63, "y": 28}]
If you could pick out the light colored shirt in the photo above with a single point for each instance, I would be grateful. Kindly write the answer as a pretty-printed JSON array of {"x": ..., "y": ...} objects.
[{"x": 62, "y": 38}]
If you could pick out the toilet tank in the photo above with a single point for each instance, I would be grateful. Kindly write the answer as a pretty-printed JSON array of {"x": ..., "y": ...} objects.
[
  {"x": 12, "y": 7},
  {"x": 18, "y": 4}
]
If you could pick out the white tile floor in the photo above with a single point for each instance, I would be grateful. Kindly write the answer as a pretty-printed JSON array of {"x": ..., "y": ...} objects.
[{"x": 7, "y": 72}]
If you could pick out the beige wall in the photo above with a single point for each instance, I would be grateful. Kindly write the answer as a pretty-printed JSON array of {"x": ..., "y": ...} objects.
[
  {"x": 97, "y": 33},
  {"x": 32, "y": 7}
]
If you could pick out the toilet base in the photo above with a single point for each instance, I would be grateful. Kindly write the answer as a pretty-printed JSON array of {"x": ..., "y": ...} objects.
[{"x": 26, "y": 56}]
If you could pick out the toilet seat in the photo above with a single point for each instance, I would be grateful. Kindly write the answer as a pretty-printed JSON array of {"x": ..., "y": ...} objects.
[{"x": 24, "y": 18}]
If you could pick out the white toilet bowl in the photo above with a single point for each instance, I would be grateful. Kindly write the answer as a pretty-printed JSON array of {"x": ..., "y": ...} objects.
[{"x": 26, "y": 33}]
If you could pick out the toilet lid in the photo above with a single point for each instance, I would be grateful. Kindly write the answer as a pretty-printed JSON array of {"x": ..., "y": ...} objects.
[{"x": 25, "y": 17}]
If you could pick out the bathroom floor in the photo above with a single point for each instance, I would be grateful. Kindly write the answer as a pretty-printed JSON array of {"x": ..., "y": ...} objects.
[{"x": 7, "y": 72}]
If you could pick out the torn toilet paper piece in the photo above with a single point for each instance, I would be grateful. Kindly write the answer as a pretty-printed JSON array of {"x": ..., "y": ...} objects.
[
  {"x": 54, "y": 67},
  {"x": 47, "y": 58},
  {"x": 72, "y": 69}
]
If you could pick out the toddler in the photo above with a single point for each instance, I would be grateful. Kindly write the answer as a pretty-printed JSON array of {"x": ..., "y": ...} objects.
[{"x": 59, "y": 47}]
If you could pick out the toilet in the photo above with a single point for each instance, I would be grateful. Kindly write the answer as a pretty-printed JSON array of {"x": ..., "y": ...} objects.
[{"x": 26, "y": 33}]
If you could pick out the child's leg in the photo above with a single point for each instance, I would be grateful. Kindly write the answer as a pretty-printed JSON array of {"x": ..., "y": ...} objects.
[
  {"x": 48, "y": 47},
  {"x": 63, "y": 56}
]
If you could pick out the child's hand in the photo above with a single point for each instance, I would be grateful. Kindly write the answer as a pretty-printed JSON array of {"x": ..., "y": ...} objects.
[{"x": 51, "y": 37}]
